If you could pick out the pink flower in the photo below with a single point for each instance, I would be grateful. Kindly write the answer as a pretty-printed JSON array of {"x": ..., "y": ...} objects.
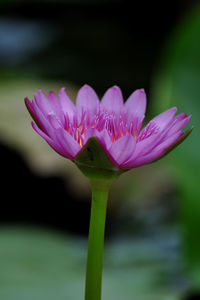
[{"x": 115, "y": 124}]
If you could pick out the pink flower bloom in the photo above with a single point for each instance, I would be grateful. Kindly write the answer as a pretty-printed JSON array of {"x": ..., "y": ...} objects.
[{"x": 115, "y": 124}]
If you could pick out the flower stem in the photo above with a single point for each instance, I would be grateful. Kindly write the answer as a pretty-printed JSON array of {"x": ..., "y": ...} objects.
[{"x": 96, "y": 241}]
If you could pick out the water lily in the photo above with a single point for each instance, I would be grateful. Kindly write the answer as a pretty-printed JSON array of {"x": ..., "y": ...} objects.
[
  {"x": 115, "y": 124},
  {"x": 104, "y": 138}
]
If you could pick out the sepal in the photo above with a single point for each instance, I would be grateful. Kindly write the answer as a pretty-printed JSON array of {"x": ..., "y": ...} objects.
[{"x": 94, "y": 163}]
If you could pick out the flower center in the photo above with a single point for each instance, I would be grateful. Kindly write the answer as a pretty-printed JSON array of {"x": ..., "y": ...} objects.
[{"x": 116, "y": 126}]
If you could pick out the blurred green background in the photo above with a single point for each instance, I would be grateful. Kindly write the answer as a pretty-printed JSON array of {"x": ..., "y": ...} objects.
[{"x": 153, "y": 227}]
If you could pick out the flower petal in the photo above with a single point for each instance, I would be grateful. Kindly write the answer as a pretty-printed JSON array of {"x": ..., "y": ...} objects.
[
  {"x": 54, "y": 121},
  {"x": 122, "y": 149},
  {"x": 51, "y": 142},
  {"x": 168, "y": 142},
  {"x": 31, "y": 110},
  {"x": 38, "y": 115},
  {"x": 163, "y": 119},
  {"x": 154, "y": 132},
  {"x": 87, "y": 101},
  {"x": 104, "y": 139},
  {"x": 135, "y": 106},
  {"x": 112, "y": 100},
  {"x": 67, "y": 105},
  {"x": 56, "y": 106},
  {"x": 89, "y": 132},
  {"x": 141, "y": 160},
  {"x": 41, "y": 119},
  {"x": 157, "y": 152},
  {"x": 178, "y": 125},
  {"x": 43, "y": 103},
  {"x": 29, "y": 106},
  {"x": 67, "y": 142},
  {"x": 145, "y": 147}
]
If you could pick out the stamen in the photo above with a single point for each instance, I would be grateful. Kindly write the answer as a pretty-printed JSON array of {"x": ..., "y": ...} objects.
[
  {"x": 116, "y": 127},
  {"x": 151, "y": 128}
]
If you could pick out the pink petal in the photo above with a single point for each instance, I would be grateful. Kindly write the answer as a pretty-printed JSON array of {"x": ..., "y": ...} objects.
[
  {"x": 105, "y": 142},
  {"x": 168, "y": 142},
  {"x": 163, "y": 119},
  {"x": 31, "y": 110},
  {"x": 139, "y": 159},
  {"x": 88, "y": 134},
  {"x": 51, "y": 142},
  {"x": 180, "y": 116},
  {"x": 87, "y": 101},
  {"x": 67, "y": 142},
  {"x": 54, "y": 121},
  {"x": 29, "y": 106},
  {"x": 143, "y": 160},
  {"x": 41, "y": 119},
  {"x": 122, "y": 149},
  {"x": 145, "y": 147},
  {"x": 43, "y": 103},
  {"x": 104, "y": 139},
  {"x": 151, "y": 136},
  {"x": 36, "y": 114},
  {"x": 112, "y": 100},
  {"x": 67, "y": 105},
  {"x": 135, "y": 105},
  {"x": 178, "y": 125},
  {"x": 56, "y": 106}
]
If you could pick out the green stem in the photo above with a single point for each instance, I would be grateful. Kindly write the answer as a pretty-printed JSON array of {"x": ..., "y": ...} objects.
[{"x": 96, "y": 241}]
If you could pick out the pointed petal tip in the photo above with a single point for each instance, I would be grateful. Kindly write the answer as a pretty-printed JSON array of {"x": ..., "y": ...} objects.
[
  {"x": 51, "y": 93},
  {"x": 35, "y": 95},
  {"x": 61, "y": 91},
  {"x": 86, "y": 86},
  {"x": 41, "y": 93},
  {"x": 27, "y": 101},
  {"x": 186, "y": 120},
  {"x": 142, "y": 91},
  {"x": 115, "y": 87},
  {"x": 113, "y": 90},
  {"x": 174, "y": 108},
  {"x": 33, "y": 125},
  {"x": 142, "y": 94},
  {"x": 139, "y": 91},
  {"x": 28, "y": 104}
]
